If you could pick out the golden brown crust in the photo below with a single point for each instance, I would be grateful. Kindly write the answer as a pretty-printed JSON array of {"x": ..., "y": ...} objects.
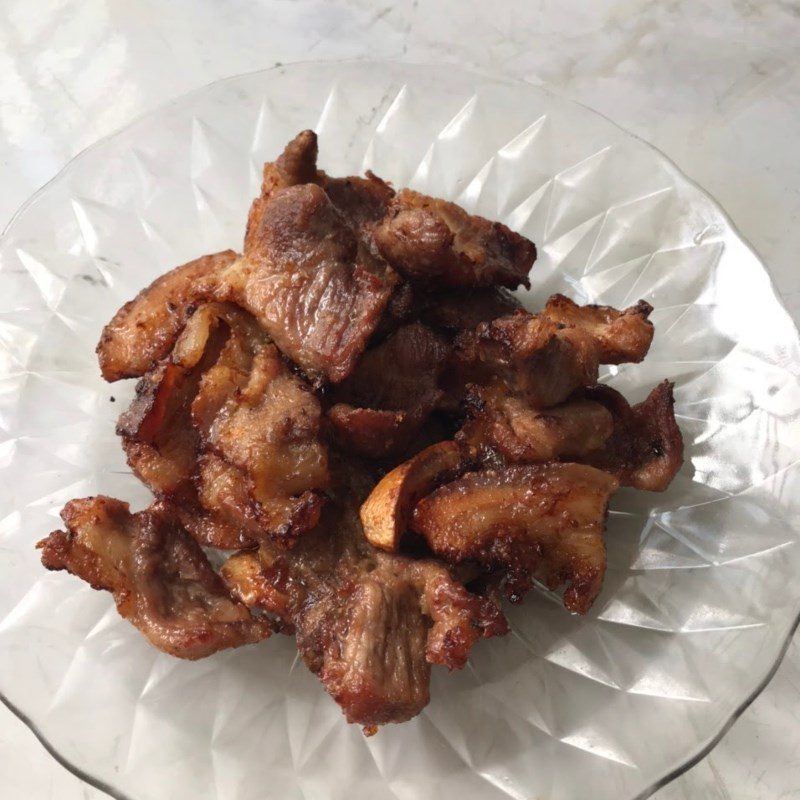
[
  {"x": 622, "y": 336},
  {"x": 161, "y": 580},
  {"x": 145, "y": 328},
  {"x": 545, "y": 520},
  {"x": 369, "y": 624},
  {"x": 230, "y": 395},
  {"x": 303, "y": 264},
  {"x": 506, "y": 424},
  {"x": 436, "y": 243},
  {"x": 531, "y": 356},
  {"x": 645, "y": 449}
]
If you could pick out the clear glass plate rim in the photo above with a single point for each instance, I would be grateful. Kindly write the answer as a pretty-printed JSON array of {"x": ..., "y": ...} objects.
[{"x": 689, "y": 760}]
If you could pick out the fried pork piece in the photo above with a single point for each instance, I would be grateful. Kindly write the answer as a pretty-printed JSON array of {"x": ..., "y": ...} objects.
[
  {"x": 226, "y": 392},
  {"x": 506, "y": 424},
  {"x": 369, "y": 624},
  {"x": 361, "y": 201},
  {"x": 156, "y": 430},
  {"x": 266, "y": 423},
  {"x": 436, "y": 243},
  {"x": 157, "y": 433},
  {"x": 622, "y": 336},
  {"x": 388, "y": 398},
  {"x": 308, "y": 281},
  {"x": 226, "y": 492},
  {"x": 296, "y": 164},
  {"x": 645, "y": 449},
  {"x": 377, "y": 433},
  {"x": 454, "y": 311},
  {"x": 209, "y": 528},
  {"x": 537, "y": 359},
  {"x": 161, "y": 580},
  {"x": 145, "y": 328},
  {"x": 545, "y": 521}
]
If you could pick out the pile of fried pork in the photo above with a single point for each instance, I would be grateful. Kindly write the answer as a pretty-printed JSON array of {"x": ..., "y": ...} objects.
[{"x": 359, "y": 412}]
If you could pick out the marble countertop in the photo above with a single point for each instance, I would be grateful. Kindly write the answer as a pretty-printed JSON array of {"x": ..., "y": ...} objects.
[{"x": 715, "y": 85}]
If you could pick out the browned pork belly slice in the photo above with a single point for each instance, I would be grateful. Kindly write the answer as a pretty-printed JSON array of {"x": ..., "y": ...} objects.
[
  {"x": 227, "y": 393},
  {"x": 501, "y": 422},
  {"x": 645, "y": 449},
  {"x": 361, "y": 201},
  {"x": 436, "y": 243},
  {"x": 369, "y": 624},
  {"x": 383, "y": 405},
  {"x": 533, "y": 357},
  {"x": 310, "y": 283},
  {"x": 266, "y": 424},
  {"x": 455, "y": 310},
  {"x": 160, "y": 578},
  {"x": 622, "y": 336},
  {"x": 641, "y": 445},
  {"x": 545, "y": 521},
  {"x": 145, "y": 328}
]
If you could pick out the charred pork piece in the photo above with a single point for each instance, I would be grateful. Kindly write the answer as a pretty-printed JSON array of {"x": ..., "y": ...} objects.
[
  {"x": 226, "y": 397},
  {"x": 361, "y": 201},
  {"x": 537, "y": 359},
  {"x": 506, "y": 424},
  {"x": 543, "y": 521},
  {"x": 645, "y": 449},
  {"x": 310, "y": 283},
  {"x": 641, "y": 445},
  {"x": 621, "y": 336},
  {"x": 160, "y": 578},
  {"x": 369, "y": 624},
  {"x": 143, "y": 331},
  {"x": 157, "y": 432},
  {"x": 437, "y": 244},
  {"x": 384, "y": 404},
  {"x": 266, "y": 424}
]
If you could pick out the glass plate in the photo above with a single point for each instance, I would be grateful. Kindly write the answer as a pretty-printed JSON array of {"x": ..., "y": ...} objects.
[{"x": 701, "y": 593}]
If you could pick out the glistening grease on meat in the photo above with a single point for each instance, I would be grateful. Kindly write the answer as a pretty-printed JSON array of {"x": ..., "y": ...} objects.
[
  {"x": 538, "y": 359},
  {"x": 306, "y": 278},
  {"x": 622, "y": 336},
  {"x": 145, "y": 328},
  {"x": 361, "y": 201},
  {"x": 645, "y": 449},
  {"x": 506, "y": 424},
  {"x": 225, "y": 392},
  {"x": 369, "y": 624},
  {"x": 392, "y": 392},
  {"x": 160, "y": 578},
  {"x": 545, "y": 521},
  {"x": 386, "y": 512},
  {"x": 438, "y": 244}
]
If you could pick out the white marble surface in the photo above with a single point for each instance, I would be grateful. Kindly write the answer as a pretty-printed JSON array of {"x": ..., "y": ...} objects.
[{"x": 715, "y": 84}]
